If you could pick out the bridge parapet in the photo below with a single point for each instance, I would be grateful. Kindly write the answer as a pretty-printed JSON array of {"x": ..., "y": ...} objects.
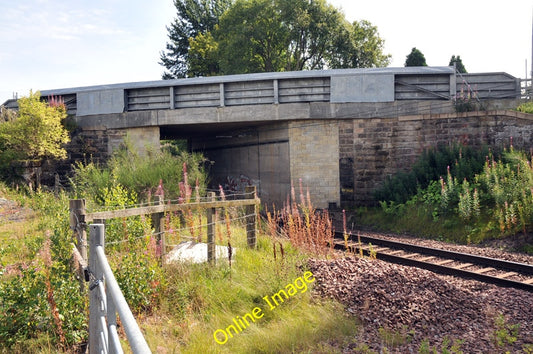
[{"x": 375, "y": 85}]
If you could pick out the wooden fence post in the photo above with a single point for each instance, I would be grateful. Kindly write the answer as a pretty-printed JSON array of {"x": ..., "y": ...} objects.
[
  {"x": 251, "y": 213},
  {"x": 159, "y": 225},
  {"x": 211, "y": 246},
  {"x": 77, "y": 224}
]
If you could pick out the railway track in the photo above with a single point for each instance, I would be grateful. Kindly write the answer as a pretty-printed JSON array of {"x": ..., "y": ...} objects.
[{"x": 489, "y": 270}]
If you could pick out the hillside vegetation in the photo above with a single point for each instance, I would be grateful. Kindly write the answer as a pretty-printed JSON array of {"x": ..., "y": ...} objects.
[
  {"x": 179, "y": 307},
  {"x": 460, "y": 194}
]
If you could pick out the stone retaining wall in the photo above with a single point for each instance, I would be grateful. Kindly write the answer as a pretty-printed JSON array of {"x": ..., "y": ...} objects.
[{"x": 371, "y": 149}]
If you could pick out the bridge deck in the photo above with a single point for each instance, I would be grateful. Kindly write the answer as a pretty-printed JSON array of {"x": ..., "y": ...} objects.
[{"x": 372, "y": 85}]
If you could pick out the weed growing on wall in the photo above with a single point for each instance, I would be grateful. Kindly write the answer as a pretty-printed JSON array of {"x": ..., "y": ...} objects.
[{"x": 526, "y": 107}]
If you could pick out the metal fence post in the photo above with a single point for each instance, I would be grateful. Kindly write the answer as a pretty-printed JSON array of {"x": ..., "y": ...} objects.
[
  {"x": 211, "y": 247},
  {"x": 251, "y": 211},
  {"x": 96, "y": 238}
]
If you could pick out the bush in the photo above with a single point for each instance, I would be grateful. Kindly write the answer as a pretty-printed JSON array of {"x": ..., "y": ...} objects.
[
  {"x": 507, "y": 187},
  {"x": 504, "y": 190},
  {"x": 463, "y": 162},
  {"x": 37, "y": 131},
  {"x": 137, "y": 173},
  {"x": 140, "y": 278},
  {"x": 526, "y": 107}
]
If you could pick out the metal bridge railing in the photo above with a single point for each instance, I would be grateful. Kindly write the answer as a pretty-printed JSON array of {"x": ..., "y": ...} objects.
[{"x": 105, "y": 300}]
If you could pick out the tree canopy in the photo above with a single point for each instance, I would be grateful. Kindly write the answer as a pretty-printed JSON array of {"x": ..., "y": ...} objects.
[
  {"x": 193, "y": 17},
  {"x": 456, "y": 60},
  {"x": 36, "y": 131},
  {"x": 415, "y": 58},
  {"x": 273, "y": 35}
]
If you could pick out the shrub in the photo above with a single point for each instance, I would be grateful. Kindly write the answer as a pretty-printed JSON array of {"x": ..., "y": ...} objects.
[
  {"x": 37, "y": 131},
  {"x": 138, "y": 173},
  {"x": 463, "y": 162},
  {"x": 140, "y": 278},
  {"x": 526, "y": 107},
  {"x": 507, "y": 187}
]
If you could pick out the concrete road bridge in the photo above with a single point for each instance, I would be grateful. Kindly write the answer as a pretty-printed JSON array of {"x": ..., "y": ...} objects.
[{"x": 339, "y": 131}]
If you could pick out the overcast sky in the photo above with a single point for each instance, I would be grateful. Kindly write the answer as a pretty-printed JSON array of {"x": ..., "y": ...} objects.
[{"x": 49, "y": 44}]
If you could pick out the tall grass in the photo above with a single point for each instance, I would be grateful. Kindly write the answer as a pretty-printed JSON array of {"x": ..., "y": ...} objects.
[
  {"x": 180, "y": 306},
  {"x": 138, "y": 173},
  {"x": 41, "y": 299},
  {"x": 41, "y": 303},
  {"x": 200, "y": 299}
]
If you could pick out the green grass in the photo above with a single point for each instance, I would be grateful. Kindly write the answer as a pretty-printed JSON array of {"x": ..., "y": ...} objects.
[
  {"x": 200, "y": 299},
  {"x": 194, "y": 301},
  {"x": 416, "y": 221},
  {"x": 20, "y": 237}
]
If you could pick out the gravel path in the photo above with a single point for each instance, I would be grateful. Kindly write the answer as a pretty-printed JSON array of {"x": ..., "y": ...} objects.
[
  {"x": 401, "y": 307},
  {"x": 11, "y": 211}
]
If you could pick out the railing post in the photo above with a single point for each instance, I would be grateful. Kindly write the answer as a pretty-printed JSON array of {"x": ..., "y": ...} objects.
[
  {"x": 172, "y": 98},
  {"x": 77, "y": 224},
  {"x": 159, "y": 225},
  {"x": 221, "y": 94},
  {"x": 211, "y": 247},
  {"x": 96, "y": 238},
  {"x": 251, "y": 216},
  {"x": 276, "y": 91}
]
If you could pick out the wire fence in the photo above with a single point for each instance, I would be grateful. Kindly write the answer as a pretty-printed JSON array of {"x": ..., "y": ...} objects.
[
  {"x": 181, "y": 232},
  {"x": 105, "y": 296},
  {"x": 200, "y": 199}
]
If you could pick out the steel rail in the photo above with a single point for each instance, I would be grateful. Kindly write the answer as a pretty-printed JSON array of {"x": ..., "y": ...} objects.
[{"x": 497, "y": 264}]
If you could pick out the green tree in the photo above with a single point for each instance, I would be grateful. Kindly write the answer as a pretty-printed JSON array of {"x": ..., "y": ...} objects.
[
  {"x": 252, "y": 38},
  {"x": 193, "y": 17},
  {"x": 458, "y": 64},
  {"x": 316, "y": 30},
  {"x": 37, "y": 131},
  {"x": 203, "y": 56},
  {"x": 6, "y": 115},
  {"x": 415, "y": 58},
  {"x": 283, "y": 35},
  {"x": 364, "y": 48}
]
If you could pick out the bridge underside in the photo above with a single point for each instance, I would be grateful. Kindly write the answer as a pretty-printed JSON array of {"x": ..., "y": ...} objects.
[{"x": 242, "y": 154}]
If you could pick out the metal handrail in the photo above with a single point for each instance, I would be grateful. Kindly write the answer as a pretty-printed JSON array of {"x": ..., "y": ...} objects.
[{"x": 106, "y": 299}]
